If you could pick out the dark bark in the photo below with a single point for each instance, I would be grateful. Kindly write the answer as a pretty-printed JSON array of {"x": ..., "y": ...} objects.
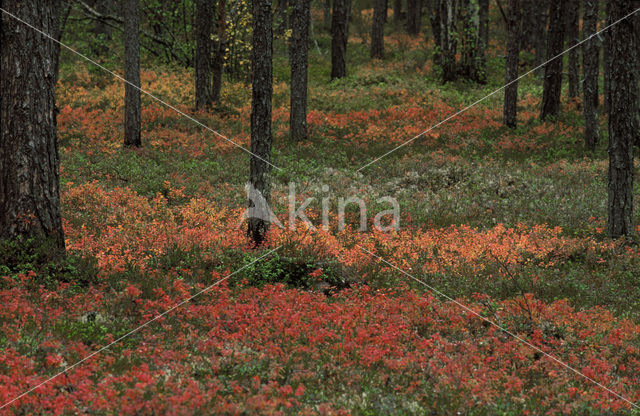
[
  {"x": 484, "y": 26},
  {"x": 606, "y": 61},
  {"x": 414, "y": 16},
  {"x": 542, "y": 16},
  {"x": 377, "y": 29},
  {"x": 219, "y": 51},
  {"x": 512, "y": 60},
  {"x": 29, "y": 162},
  {"x": 261, "y": 96},
  {"x": 623, "y": 112},
  {"x": 573, "y": 37},
  {"x": 397, "y": 10},
  {"x": 434, "y": 19},
  {"x": 590, "y": 63},
  {"x": 298, "y": 55},
  {"x": 339, "y": 35},
  {"x": 326, "y": 12},
  {"x": 204, "y": 46},
  {"x": 132, "y": 104},
  {"x": 552, "y": 88}
]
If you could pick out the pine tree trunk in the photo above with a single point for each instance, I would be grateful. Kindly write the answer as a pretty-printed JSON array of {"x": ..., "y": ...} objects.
[
  {"x": 590, "y": 63},
  {"x": 552, "y": 88},
  {"x": 261, "y": 96},
  {"x": 623, "y": 112},
  {"x": 377, "y": 29},
  {"x": 219, "y": 51},
  {"x": 299, "y": 48},
  {"x": 573, "y": 37},
  {"x": 397, "y": 10},
  {"x": 204, "y": 63},
  {"x": 448, "y": 39},
  {"x": 542, "y": 16},
  {"x": 339, "y": 35},
  {"x": 414, "y": 16},
  {"x": 29, "y": 163},
  {"x": 512, "y": 60},
  {"x": 606, "y": 61},
  {"x": 132, "y": 104}
]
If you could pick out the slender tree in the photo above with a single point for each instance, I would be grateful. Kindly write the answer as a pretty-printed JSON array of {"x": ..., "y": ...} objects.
[
  {"x": 339, "y": 36},
  {"x": 512, "y": 60},
  {"x": 623, "y": 113},
  {"x": 414, "y": 16},
  {"x": 298, "y": 55},
  {"x": 219, "y": 51},
  {"x": 29, "y": 163},
  {"x": 204, "y": 63},
  {"x": 261, "y": 96},
  {"x": 552, "y": 88},
  {"x": 377, "y": 29},
  {"x": 590, "y": 63},
  {"x": 606, "y": 61},
  {"x": 573, "y": 37},
  {"x": 132, "y": 104}
]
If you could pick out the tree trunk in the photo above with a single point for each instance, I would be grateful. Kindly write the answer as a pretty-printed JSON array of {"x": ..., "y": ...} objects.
[
  {"x": 204, "y": 63},
  {"x": 132, "y": 104},
  {"x": 29, "y": 163},
  {"x": 473, "y": 59},
  {"x": 397, "y": 10},
  {"x": 623, "y": 112},
  {"x": 542, "y": 16},
  {"x": 219, "y": 52},
  {"x": 414, "y": 16},
  {"x": 377, "y": 29},
  {"x": 573, "y": 37},
  {"x": 590, "y": 63},
  {"x": 326, "y": 11},
  {"x": 606, "y": 61},
  {"x": 299, "y": 48},
  {"x": 434, "y": 19},
  {"x": 484, "y": 28},
  {"x": 448, "y": 39},
  {"x": 261, "y": 96},
  {"x": 552, "y": 88},
  {"x": 339, "y": 35},
  {"x": 512, "y": 61}
]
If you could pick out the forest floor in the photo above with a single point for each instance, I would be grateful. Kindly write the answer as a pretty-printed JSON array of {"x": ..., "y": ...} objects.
[{"x": 508, "y": 223}]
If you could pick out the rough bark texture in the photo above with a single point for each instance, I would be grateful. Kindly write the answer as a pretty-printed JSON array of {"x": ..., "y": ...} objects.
[
  {"x": 448, "y": 39},
  {"x": 552, "y": 88},
  {"x": 204, "y": 63},
  {"x": 132, "y": 104},
  {"x": 298, "y": 55},
  {"x": 414, "y": 16},
  {"x": 219, "y": 50},
  {"x": 573, "y": 37},
  {"x": 377, "y": 29},
  {"x": 623, "y": 110},
  {"x": 339, "y": 34},
  {"x": 262, "y": 92},
  {"x": 590, "y": 63},
  {"x": 606, "y": 60},
  {"x": 541, "y": 10},
  {"x": 29, "y": 164},
  {"x": 472, "y": 65},
  {"x": 512, "y": 60}
]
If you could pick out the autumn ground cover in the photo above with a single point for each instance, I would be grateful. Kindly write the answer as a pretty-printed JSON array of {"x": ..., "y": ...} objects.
[{"x": 509, "y": 223}]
